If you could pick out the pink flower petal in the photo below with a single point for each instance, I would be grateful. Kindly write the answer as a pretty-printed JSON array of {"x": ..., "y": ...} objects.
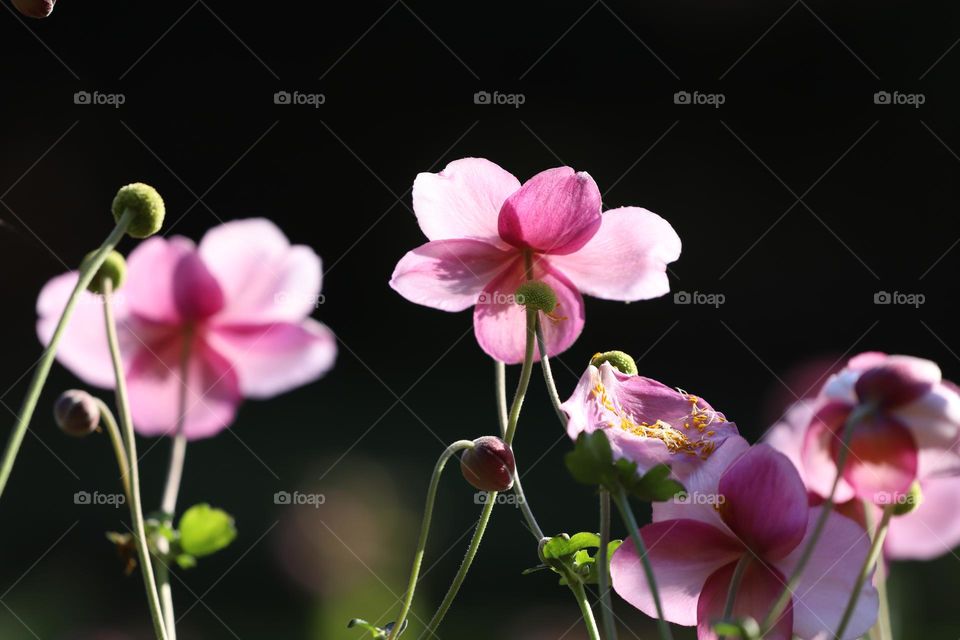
[
  {"x": 449, "y": 274},
  {"x": 898, "y": 381},
  {"x": 759, "y": 588},
  {"x": 463, "y": 200},
  {"x": 933, "y": 528},
  {"x": 556, "y": 212},
  {"x": 151, "y": 269},
  {"x": 626, "y": 259},
  {"x": 882, "y": 462},
  {"x": 683, "y": 553},
  {"x": 500, "y": 324},
  {"x": 827, "y": 581},
  {"x": 274, "y": 358},
  {"x": 820, "y": 437},
  {"x": 196, "y": 292},
  {"x": 765, "y": 502},
  {"x": 83, "y": 349},
  {"x": 155, "y": 380},
  {"x": 263, "y": 278}
]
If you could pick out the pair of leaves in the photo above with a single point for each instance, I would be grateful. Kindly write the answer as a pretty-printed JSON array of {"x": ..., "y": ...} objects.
[
  {"x": 202, "y": 531},
  {"x": 570, "y": 556},
  {"x": 591, "y": 462},
  {"x": 377, "y": 633}
]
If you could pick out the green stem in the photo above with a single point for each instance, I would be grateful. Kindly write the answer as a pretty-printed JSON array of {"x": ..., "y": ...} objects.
[
  {"x": 500, "y": 383},
  {"x": 780, "y": 605},
  {"x": 626, "y": 512},
  {"x": 603, "y": 562},
  {"x": 581, "y": 595},
  {"x": 875, "y": 549},
  {"x": 548, "y": 376},
  {"x": 525, "y": 372},
  {"x": 136, "y": 508},
  {"x": 459, "y": 445},
  {"x": 735, "y": 581},
  {"x": 116, "y": 440},
  {"x": 87, "y": 272}
]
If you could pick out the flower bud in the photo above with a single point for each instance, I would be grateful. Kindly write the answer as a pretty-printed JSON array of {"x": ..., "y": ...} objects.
[
  {"x": 536, "y": 294},
  {"x": 146, "y": 205},
  {"x": 76, "y": 413},
  {"x": 489, "y": 465},
  {"x": 34, "y": 8},
  {"x": 896, "y": 382},
  {"x": 909, "y": 501},
  {"x": 114, "y": 267},
  {"x": 619, "y": 360}
]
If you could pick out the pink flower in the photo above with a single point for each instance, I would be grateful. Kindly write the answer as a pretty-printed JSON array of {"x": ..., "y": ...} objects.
[
  {"x": 748, "y": 502},
  {"x": 484, "y": 227},
  {"x": 646, "y": 422},
  {"x": 238, "y": 305},
  {"x": 911, "y": 434},
  {"x": 932, "y": 529}
]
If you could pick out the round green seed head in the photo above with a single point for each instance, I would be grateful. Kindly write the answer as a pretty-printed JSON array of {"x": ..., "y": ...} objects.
[
  {"x": 146, "y": 205},
  {"x": 909, "y": 502},
  {"x": 114, "y": 267},
  {"x": 618, "y": 360},
  {"x": 536, "y": 294}
]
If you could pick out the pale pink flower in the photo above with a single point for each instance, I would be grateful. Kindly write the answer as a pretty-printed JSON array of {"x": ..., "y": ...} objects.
[
  {"x": 240, "y": 301},
  {"x": 748, "y": 502},
  {"x": 484, "y": 227}
]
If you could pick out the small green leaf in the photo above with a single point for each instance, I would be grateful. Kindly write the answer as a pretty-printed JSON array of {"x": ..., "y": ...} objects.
[
  {"x": 186, "y": 561},
  {"x": 563, "y": 546},
  {"x": 654, "y": 486},
  {"x": 205, "y": 530},
  {"x": 591, "y": 460},
  {"x": 746, "y": 628}
]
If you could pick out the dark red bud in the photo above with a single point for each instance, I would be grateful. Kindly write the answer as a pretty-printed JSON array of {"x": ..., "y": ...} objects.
[
  {"x": 489, "y": 466},
  {"x": 34, "y": 8},
  {"x": 76, "y": 413},
  {"x": 897, "y": 382}
]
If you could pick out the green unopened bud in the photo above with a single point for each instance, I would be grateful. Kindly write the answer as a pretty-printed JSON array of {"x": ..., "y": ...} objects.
[
  {"x": 619, "y": 360},
  {"x": 76, "y": 413},
  {"x": 909, "y": 501},
  {"x": 114, "y": 268},
  {"x": 536, "y": 294},
  {"x": 145, "y": 204}
]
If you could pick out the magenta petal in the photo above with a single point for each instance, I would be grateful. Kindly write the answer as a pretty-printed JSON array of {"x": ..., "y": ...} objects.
[
  {"x": 151, "y": 269},
  {"x": 758, "y": 590},
  {"x": 449, "y": 274},
  {"x": 827, "y": 581},
  {"x": 821, "y": 436},
  {"x": 765, "y": 502},
  {"x": 271, "y": 359},
  {"x": 933, "y": 528},
  {"x": 683, "y": 553},
  {"x": 500, "y": 323},
  {"x": 556, "y": 211},
  {"x": 196, "y": 292},
  {"x": 463, "y": 200},
  {"x": 882, "y": 462},
  {"x": 626, "y": 259},
  {"x": 898, "y": 381}
]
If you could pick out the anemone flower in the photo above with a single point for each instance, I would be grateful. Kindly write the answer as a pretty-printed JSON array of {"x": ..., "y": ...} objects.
[
  {"x": 930, "y": 530},
  {"x": 758, "y": 515},
  {"x": 910, "y": 433},
  {"x": 488, "y": 233},
  {"x": 646, "y": 421},
  {"x": 211, "y": 324}
]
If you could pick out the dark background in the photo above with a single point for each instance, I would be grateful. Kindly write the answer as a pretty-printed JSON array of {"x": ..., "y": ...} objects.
[{"x": 878, "y": 212}]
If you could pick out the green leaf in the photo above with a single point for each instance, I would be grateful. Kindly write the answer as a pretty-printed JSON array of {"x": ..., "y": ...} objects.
[
  {"x": 376, "y": 632},
  {"x": 563, "y": 546},
  {"x": 591, "y": 460},
  {"x": 654, "y": 486},
  {"x": 205, "y": 530},
  {"x": 746, "y": 628},
  {"x": 186, "y": 561}
]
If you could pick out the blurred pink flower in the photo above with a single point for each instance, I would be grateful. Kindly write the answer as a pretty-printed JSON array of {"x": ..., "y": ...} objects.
[
  {"x": 912, "y": 433},
  {"x": 748, "y": 502},
  {"x": 646, "y": 422},
  {"x": 932, "y": 529},
  {"x": 239, "y": 303},
  {"x": 483, "y": 227}
]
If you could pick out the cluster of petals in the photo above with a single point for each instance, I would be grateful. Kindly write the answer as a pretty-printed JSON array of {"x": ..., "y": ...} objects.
[
  {"x": 200, "y": 327},
  {"x": 488, "y": 233}
]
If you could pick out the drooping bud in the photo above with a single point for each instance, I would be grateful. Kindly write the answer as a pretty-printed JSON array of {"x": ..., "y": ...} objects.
[
  {"x": 896, "y": 382},
  {"x": 114, "y": 267},
  {"x": 76, "y": 413},
  {"x": 909, "y": 501},
  {"x": 619, "y": 360},
  {"x": 145, "y": 204},
  {"x": 489, "y": 465},
  {"x": 34, "y": 8},
  {"x": 536, "y": 294}
]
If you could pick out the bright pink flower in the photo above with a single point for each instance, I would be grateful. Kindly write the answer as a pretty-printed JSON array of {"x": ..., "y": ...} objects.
[
  {"x": 932, "y": 529},
  {"x": 240, "y": 302},
  {"x": 912, "y": 432},
  {"x": 646, "y": 422},
  {"x": 483, "y": 227},
  {"x": 748, "y": 502}
]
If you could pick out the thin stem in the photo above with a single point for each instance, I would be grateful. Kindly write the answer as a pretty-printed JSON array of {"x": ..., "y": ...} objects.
[
  {"x": 626, "y": 512},
  {"x": 136, "y": 509},
  {"x": 500, "y": 381},
  {"x": 459, "y": 445},
  {"x": 178, "y": 451},
  {"x": 116, "y": 440},
  {"x": 735, "y": 581},
  {"x": 548, "y": 376},
  {"x": 46, "y": 360},
  {"x": 581, "y": 595},
  {"x": 875, "y": 548},
  {"x": 166, "y": 595},
  {"x": 603, "y": 562},
  {"x": 525, "y": 372},
  {"x": 825, "y": 510}
]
